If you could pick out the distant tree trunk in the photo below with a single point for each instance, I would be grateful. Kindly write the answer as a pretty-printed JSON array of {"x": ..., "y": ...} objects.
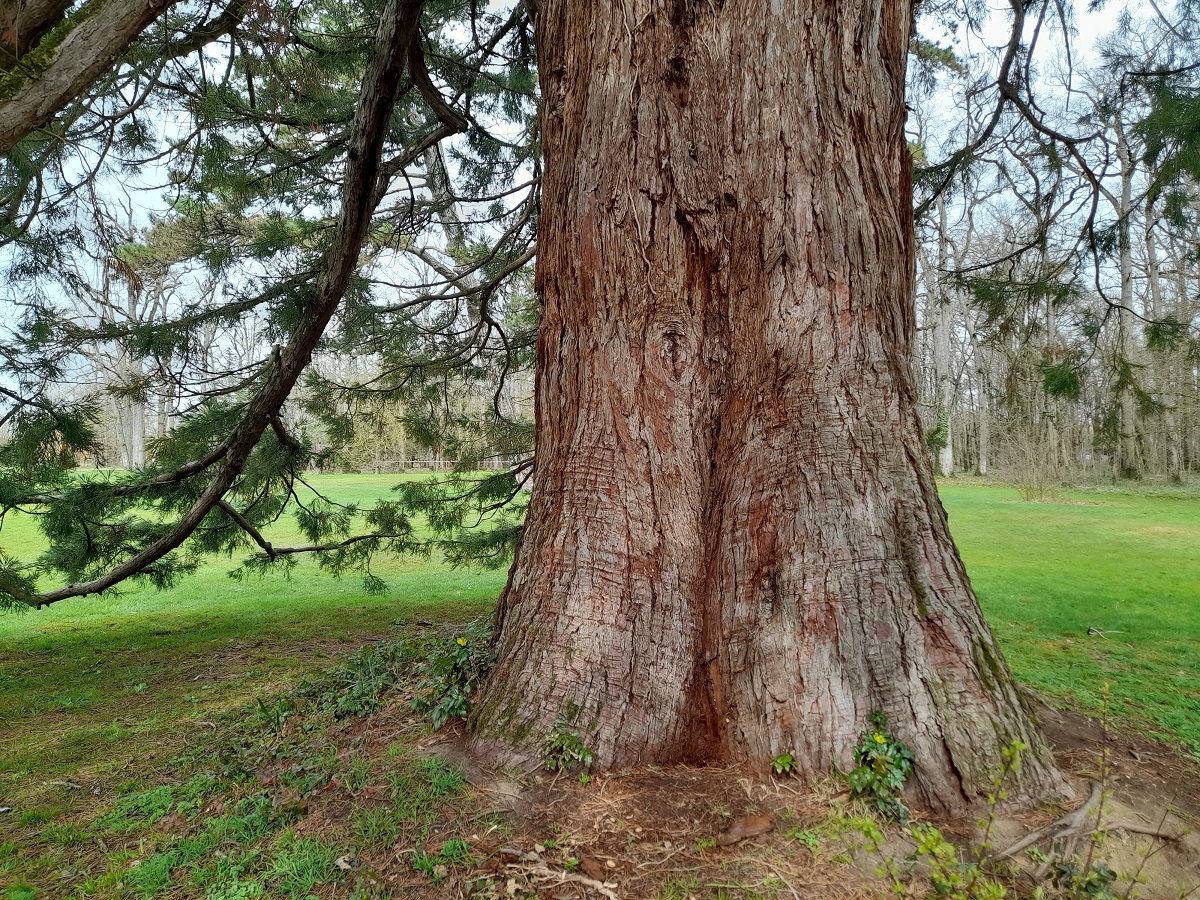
[
  {"x": 1129, "y": 463},
  {"x": 735, "y": 547},
  {"x": 941, "y": 343}
]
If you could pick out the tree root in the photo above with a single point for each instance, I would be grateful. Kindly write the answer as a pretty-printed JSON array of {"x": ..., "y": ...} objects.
[
  {"x": 1068, "y": 826},
  {"x": 1079, "y": 823},
  {"x": 532, "y": 864}
]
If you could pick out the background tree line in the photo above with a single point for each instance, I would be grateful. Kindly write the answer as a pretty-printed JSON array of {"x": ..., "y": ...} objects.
[{"x": 1057, "y": 291}]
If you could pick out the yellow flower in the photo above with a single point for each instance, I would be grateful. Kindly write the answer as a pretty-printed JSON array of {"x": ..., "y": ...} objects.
[
  {"x": 878, "y": 738},
  {"x": 462, "y": 642}
]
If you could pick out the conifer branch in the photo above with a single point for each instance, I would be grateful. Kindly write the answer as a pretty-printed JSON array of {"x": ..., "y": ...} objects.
[{"x": 380, "y": 87}]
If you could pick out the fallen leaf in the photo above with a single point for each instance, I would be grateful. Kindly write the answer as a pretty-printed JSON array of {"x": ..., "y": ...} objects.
[
  {"x": 592, "y": 868},
  {"x": 745, "y": 827}
]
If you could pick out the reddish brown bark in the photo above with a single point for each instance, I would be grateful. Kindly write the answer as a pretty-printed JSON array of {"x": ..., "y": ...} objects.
[
  {"x": 735, "y": 547},
  {"x": 105, "y": 29}
]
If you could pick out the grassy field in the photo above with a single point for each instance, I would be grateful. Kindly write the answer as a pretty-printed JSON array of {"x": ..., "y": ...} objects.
[
  {"x": 104, "y": 685},
  {"x": 101, "y": 697},
  {"x": 1089, "y": 590}
]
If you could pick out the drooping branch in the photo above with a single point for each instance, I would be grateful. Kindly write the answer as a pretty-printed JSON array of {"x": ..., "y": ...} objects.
[{"x": 368, "y": 131}]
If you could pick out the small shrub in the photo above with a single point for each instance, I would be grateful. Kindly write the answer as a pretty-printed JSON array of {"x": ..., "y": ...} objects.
[
  {"x": 883, "y": 766},
  {"x": 564, "y": 748},
  {"x": 949, "y": 875},
  {"x": 449, "y": 675}
]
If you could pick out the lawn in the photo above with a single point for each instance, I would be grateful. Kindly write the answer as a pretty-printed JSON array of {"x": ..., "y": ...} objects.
[
  {"x": 89, "y": 686},
  {"x": 105, "y": 700},
  {"x": 1092, "y": 590}
]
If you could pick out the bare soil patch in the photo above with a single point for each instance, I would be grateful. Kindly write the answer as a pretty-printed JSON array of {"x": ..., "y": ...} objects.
[{"x": 682, "y": 832}]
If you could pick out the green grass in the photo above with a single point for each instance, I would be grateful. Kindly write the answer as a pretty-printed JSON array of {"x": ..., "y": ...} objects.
[
  {"x": 114, "y": 667},
  {"x": 1126, "y": 565},
  {"x": 94, "y": 688},
  {"x": 101, "y": 696}
]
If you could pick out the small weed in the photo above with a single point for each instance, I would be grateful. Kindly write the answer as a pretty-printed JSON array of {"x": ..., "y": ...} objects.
[
  {"x": 68, "y": 834},
  {"x": 301, "y": 864},
  {"x": 456, "y": 851},
  {"x": 358, "y": 686},
  {"x": 449, "y": 675},
  {"x": 230, "y": 872},
  {"x": 704, "y": 843},
  {"x": 135, "y": 810},
  {"x": 32, "y": 818},
  {"x": 153, "y": 874},
  {"x": 784, "y": 764},
  {"x": 443, "y": 778},
  {"x": 412, "y": 796},
  {"x": 563, "y": 749},
  {"x": 273, "y": 715},
  {"x": 883, "y": 766},
  {"x": 23, "y": 891},
  {"x": 807, "y": 837},
  {"x": 357, "y": 776},
  {"x": 679, "y": 888},
  {"x": 1076, "y": 878},
  {"x": 429, "y": 865},
  {"x": 237, "y": 890},
  {"x": 375, "y": 828},
  {"x": 436, "y": 866}
]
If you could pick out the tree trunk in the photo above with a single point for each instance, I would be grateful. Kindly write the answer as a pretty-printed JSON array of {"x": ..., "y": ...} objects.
[
  {"x": 1129, "y": 463},
  {"x": 735, "y": 548}
]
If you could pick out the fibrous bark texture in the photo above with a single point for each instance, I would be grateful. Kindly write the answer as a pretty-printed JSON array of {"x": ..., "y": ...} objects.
[
  {"x": 735, "y": 547},
  {"x": 61, "y": 72}
]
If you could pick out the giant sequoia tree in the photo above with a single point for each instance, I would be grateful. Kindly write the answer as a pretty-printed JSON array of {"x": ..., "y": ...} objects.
[{"x": 734, "y": 547}]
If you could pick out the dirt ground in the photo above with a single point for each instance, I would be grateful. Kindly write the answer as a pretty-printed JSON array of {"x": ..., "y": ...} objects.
[{"x": 676, "y": 833}]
